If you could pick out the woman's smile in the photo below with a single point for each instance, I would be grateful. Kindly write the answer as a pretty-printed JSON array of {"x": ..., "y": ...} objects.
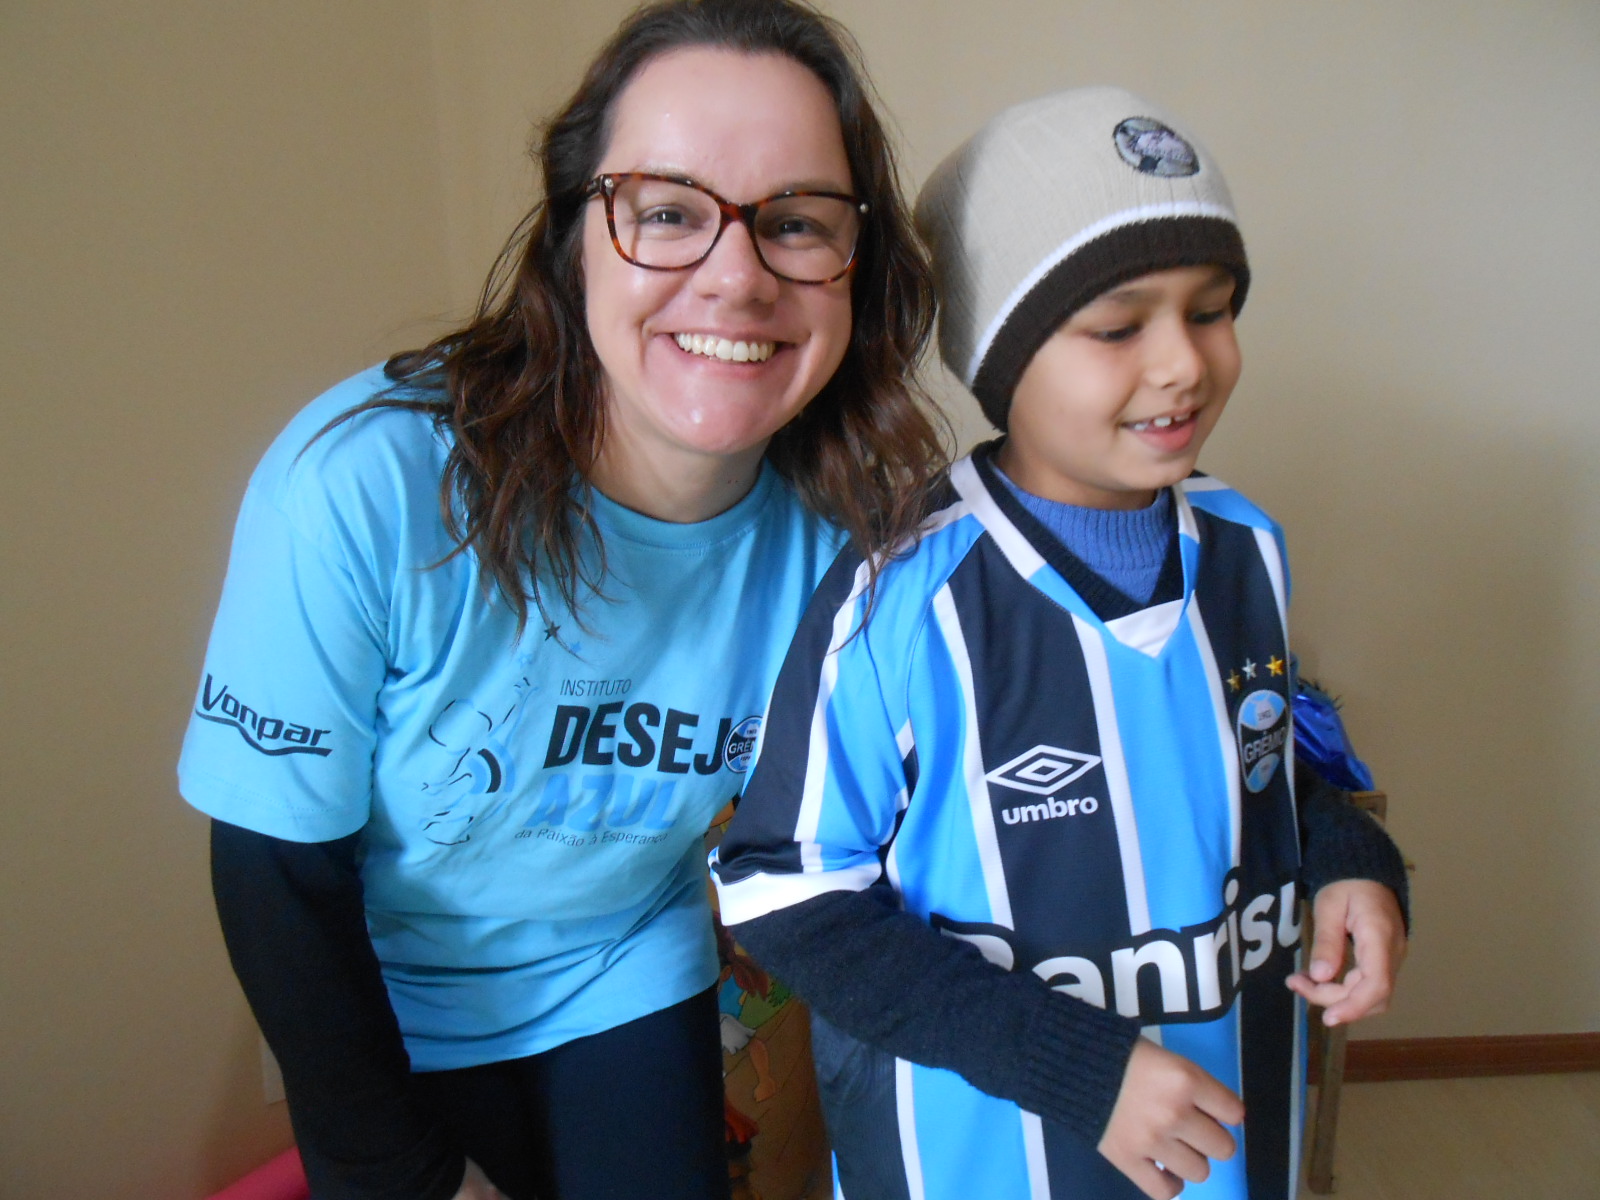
[{"x": 710, "y": 345}]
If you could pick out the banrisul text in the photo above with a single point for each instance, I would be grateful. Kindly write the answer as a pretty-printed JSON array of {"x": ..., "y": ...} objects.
[{"x": 1166, "y": 975}]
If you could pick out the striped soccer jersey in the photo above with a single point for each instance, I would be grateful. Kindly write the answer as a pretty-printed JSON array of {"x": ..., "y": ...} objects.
[{"x": 1105, "y": 803}]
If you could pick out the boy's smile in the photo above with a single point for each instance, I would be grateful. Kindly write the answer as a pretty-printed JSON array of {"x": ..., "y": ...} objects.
[{"x": 1119, "y": 400}]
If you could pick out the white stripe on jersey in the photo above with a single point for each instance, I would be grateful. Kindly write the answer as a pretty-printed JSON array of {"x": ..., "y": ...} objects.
[
  {"x": 1033, "y": 1148},
  {"x": 891, "y": 867},
  {"x": 905, "y": 1107},
  {"x": 1273, "y": 561},
  {"x": 973, "y": 776},
  {"x": 1018, "y": 550},
  {"x": 1219, "y": 713},
  {"x": 1297, "y": 1083},
  {"x": 931, "y": 525},
  {"x": 1187, "y": 526},
  {"x": 810, "y": 816},
  {"x": 904, "y": 742},
  {"x": 1149, "y": 629},
  {"x": 1116, "y": 769},
  {"x": 1203, "y": 483},
  {"x": 764, "y": 892}
]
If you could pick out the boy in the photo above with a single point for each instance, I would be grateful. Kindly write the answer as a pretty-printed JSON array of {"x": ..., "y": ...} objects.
[{"x": 1041, "y": 803}]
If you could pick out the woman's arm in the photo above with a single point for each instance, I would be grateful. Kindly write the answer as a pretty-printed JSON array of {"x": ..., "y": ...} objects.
[{"x": 295, "y": 925}]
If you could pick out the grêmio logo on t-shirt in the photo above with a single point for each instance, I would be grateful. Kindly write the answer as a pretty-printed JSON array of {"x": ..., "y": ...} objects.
[{"x": 263, "y": 734}]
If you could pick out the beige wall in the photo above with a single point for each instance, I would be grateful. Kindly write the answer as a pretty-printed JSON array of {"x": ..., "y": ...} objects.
[
  {"x": 207, "y": 218},
  {"x": 213, "y": 210}
]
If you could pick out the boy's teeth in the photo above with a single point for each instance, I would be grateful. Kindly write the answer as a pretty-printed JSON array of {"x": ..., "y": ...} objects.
[
  {"x": 710, "y": 346},
  {"x": 1156, "y": 423}
]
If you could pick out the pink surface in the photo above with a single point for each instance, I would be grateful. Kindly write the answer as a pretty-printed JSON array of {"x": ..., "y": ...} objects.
[{"x": 281, "y": 1179}]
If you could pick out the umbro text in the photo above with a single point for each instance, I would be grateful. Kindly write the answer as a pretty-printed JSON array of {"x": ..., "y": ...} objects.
[{"x": 1047, "y": 809}]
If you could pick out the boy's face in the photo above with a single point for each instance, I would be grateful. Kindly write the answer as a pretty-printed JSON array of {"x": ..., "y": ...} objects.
[{"x": 1119, "y": 400}]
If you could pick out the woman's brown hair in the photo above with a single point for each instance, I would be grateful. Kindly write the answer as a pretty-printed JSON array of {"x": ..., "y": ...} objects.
[{"x": 519, "y": 388}]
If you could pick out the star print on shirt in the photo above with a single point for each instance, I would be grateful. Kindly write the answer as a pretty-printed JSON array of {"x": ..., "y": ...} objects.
[
  {"x": 1249, "y": 669},
  {"x": 550, "y": 631},
  {"x": 1233, "y": 680},
  {"x": 1275, "y": 665}
]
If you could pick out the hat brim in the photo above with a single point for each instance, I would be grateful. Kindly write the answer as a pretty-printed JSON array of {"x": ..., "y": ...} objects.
[{"x": 1115, "y": 257}]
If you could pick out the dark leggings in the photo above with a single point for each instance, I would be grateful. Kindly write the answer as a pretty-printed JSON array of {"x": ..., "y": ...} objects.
[{"x": 633, "y": 1113}]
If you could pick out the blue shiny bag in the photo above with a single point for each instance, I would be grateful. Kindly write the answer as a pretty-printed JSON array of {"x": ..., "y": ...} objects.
[{"x": 1321, "y": 742}]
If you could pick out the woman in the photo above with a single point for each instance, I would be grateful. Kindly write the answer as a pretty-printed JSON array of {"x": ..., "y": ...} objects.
[{"x": 501, "y": 617}]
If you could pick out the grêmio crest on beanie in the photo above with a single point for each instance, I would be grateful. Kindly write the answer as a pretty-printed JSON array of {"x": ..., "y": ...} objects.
[{"x": 1050, "y": 204}]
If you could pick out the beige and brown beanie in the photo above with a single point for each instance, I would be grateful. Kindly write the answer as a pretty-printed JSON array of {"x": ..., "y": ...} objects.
[{"x": 1051, "y": 203}]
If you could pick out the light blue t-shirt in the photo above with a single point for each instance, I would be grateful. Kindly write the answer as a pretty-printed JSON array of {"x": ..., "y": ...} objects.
[{"x": 532, "y": 809}]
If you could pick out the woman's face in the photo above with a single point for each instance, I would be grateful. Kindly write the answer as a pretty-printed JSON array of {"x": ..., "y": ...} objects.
[{"x": 745, "y": 126}]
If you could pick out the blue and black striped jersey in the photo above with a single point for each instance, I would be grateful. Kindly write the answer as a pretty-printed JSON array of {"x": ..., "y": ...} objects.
[{"x": 1104, "y": 802}]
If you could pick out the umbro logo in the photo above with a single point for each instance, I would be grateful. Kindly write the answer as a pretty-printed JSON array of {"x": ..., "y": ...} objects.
[{"x": 1044, "y": 770}]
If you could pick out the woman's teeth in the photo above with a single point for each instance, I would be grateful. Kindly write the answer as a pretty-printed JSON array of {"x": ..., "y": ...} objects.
[
  {"x": 1160, "y": 423},
  {"x": 722, "y": 348}
]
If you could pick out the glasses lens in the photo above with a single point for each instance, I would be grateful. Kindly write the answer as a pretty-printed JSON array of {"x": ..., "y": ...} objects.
[
  {"x": 663, "y": 224},
  {"x": 809, "y": 238},
  {"x": 660, "y": 223}
]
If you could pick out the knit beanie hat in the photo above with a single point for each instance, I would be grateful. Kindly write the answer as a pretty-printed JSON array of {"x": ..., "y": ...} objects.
[{"x": 1050, "y": 204}]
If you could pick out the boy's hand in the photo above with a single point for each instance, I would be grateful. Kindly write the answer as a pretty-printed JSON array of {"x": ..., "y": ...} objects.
[
  {"x": 1369, "y": 913},
  {"x": 1168, "y": 1122}
]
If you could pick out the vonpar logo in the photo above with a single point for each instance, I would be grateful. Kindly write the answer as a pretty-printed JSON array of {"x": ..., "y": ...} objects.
[{"x": 272, "y": 736}]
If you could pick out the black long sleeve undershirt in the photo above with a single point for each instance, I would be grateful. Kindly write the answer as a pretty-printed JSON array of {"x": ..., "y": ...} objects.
[
  {"x": 294, "y": 922},
  {"x": 887, "y": 978}
]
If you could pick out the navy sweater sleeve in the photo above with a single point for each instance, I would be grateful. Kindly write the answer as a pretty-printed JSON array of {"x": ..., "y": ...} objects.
[
  {"x": 1339, "y": 841},
  {"x": 885, "y": 977},
  {"x": 295, "y": 927}
]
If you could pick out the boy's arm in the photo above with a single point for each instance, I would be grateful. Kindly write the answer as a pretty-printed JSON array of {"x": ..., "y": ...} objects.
[
  {"x": 886, "y": 977},
  {"x": 1356, "y": 878},
  {"x": 1340, "y": 841}
]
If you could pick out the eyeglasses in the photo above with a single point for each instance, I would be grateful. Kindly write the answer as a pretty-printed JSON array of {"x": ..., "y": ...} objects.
[{"x": 667, "y": 224}]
